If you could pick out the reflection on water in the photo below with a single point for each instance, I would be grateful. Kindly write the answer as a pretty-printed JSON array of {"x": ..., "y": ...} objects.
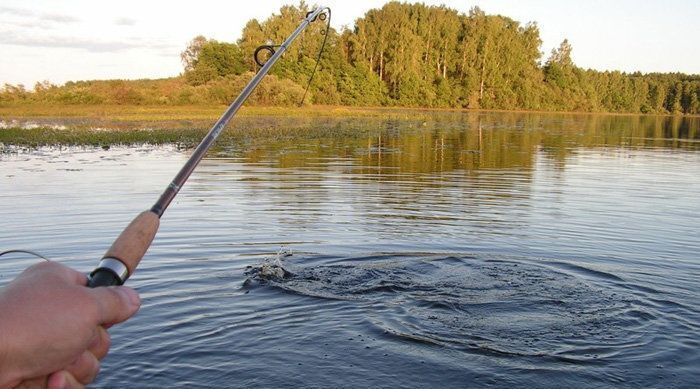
[
  {"x": 448, "y": 142},
  {"x": 438, "y": 249}
]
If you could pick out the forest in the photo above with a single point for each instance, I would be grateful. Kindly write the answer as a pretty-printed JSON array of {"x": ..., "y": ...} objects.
[{"x": 402, "y": 55}]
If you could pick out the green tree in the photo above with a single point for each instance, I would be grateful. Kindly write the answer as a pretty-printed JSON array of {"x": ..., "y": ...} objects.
[
  {"x": 400, "y": 54},
  {"x": 206, "y": 60},
  {"x": 673, "y": 101}
]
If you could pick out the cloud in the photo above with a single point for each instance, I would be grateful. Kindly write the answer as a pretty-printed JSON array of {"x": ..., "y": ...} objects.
[
  {"x": 123, "y": 21},
  {"x": 25, "y": 14},
  {"x": 58, "y": 18},
  {"x": 15, "y": 11},
  {"x": 25, "y": 24},
  {"x": 81, "y": 43}
]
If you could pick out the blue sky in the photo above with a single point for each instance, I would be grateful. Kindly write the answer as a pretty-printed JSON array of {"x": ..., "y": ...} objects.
[{"x": 76, "y": 39}]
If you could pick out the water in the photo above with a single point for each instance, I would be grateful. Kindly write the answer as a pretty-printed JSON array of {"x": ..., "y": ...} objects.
[{"x": 491, "y": 250}]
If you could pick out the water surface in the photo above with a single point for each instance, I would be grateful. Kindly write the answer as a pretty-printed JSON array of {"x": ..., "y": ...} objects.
[{"x": 487, "y": 250}]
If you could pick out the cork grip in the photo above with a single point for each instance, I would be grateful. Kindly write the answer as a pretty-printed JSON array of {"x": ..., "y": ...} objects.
[{"x": 134, "y": 241}]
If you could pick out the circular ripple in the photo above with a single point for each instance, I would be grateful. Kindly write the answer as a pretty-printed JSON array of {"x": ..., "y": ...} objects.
[{"x": 483, "y": 305}]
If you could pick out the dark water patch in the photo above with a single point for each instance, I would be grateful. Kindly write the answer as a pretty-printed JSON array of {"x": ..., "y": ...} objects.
[{"x": 479, "y": 304}]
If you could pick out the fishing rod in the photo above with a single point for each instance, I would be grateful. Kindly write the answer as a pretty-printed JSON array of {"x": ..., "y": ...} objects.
[{"x": 120, "y": 261}]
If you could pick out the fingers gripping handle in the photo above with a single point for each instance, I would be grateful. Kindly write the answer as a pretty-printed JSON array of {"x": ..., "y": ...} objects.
[{"x": 120, "y": 261}]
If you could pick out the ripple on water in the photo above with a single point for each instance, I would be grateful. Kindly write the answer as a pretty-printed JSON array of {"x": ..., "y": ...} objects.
[{"x": 488, "y": 306}]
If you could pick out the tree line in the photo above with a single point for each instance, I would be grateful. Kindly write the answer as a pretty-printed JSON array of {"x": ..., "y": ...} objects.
[{"x": 409, "y": 55}]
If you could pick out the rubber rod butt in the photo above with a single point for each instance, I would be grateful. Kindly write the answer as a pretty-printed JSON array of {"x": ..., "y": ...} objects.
[{"x": 103, "y": 277}]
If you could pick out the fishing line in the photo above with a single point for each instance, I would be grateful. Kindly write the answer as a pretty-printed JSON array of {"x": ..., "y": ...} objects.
[
  {"x": 25, "y": 252},
  {"x": 270, "y": 49},
  {"x": 320, "y": 52},
  {"x": 122, "y": 258},
  {"x": 112, "y": 264}
]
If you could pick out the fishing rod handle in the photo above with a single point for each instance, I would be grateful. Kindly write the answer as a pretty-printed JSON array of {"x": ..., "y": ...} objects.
[{"x": 120, "y": 261}]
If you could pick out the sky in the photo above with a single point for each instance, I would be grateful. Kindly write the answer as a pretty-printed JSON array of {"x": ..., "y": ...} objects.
[{"x": 68, "y": 40}]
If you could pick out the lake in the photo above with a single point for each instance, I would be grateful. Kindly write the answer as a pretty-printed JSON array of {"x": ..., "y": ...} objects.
[{"x": 454, "y": 250}]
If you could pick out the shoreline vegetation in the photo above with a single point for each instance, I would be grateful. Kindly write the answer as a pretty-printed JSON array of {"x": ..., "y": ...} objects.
[
  {"x": 399, "y": 56},
  {"x": 32, "y": 126},
  {"x": 145, "y": 113}
]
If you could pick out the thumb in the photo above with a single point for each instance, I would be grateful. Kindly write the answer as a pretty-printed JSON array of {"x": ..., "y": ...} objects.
[{"x": 115, "y": 303}]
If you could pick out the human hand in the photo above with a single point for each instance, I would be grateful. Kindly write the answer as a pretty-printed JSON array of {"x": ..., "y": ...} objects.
[{"x": 52, "y": 327}]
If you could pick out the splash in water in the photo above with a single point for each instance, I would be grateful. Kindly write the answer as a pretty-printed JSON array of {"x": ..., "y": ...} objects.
[{"x": 271, "y": 268}]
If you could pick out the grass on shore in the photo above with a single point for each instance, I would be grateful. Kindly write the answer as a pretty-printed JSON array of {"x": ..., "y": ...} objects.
[
  {"x": 35, "y": 126},
  {"x": 212, "y": 112},
  {"x": 161, "y": 112},
  {"x": 105, "y": 125}
]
